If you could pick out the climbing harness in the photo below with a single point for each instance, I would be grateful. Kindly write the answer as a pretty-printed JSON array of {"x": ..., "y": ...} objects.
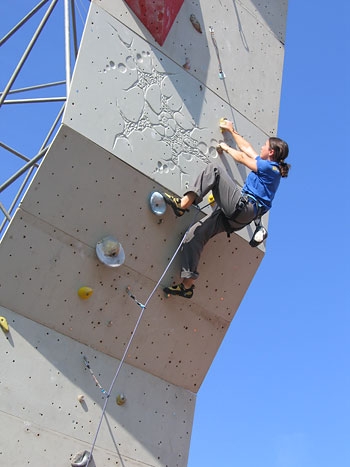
[
  {"x": 221, "y": 73},
  {"x": 242, "y": 202},
  {"x": 260, "y": 211}
]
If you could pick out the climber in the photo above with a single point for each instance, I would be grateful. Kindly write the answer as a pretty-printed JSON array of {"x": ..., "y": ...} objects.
[{"x": 235, "y": 207}]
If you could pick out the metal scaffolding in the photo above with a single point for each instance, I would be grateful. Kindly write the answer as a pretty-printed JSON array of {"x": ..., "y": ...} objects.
[{"x": 70, "y": 40}]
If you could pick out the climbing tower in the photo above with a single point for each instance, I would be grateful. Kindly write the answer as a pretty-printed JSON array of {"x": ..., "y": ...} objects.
[{"x": 115, "y": 372}]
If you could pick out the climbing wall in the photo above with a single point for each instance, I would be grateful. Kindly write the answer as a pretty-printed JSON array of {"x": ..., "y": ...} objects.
[
  {"x": 53, "y": 405},
  {"x": 142, "y": 115}
]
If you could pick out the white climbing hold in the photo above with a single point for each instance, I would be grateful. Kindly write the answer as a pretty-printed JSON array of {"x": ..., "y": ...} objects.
[
  {"x": 81, "y": 459},
  {"x": 110, "y": 251}
]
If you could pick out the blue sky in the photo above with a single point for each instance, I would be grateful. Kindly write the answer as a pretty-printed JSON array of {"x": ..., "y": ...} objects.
[{"x": 278, "y": 392}]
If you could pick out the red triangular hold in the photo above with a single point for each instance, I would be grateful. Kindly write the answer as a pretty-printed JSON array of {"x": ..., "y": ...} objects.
[{"x": 157, "y": 15}]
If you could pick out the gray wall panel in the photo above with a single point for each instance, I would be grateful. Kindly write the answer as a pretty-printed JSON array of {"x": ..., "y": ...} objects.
[{"x": 43, "y": 423}]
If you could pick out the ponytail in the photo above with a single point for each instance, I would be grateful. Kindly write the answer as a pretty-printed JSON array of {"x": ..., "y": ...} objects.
[
  {"x": 284, "y": 169},
  {"x": 281, "y": 151}
]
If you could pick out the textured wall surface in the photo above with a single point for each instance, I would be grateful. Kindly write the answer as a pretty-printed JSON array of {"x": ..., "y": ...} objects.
[
  {"x": 250, "y": 37},
  {"x": 44, "y": 424},
  {"x": 82, "y": 194},
  {"x": 140, "y": 117}
]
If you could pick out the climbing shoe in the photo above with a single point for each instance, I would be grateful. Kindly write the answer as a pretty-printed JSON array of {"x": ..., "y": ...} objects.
[
  {"x": 175, "y": 203},
  {"x": 179, "y": 290}
]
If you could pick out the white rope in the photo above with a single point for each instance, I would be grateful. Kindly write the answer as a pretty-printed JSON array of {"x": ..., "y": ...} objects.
[{"x": 143, "y": 308}]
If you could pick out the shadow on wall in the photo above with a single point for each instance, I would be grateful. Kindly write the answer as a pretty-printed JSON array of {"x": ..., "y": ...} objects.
[
  {"x": 185, "y": 42},
  {"x": 51, "y": 368},
  {"x": 274, "y": 13},
  {"x": 192, "y": 46}
]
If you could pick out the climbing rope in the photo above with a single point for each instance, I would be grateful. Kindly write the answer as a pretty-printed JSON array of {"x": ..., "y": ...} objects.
[{"x": 143, "y": 308}]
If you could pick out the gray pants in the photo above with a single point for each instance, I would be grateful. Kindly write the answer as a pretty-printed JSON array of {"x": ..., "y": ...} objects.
[{"x": 227, "y": 196}]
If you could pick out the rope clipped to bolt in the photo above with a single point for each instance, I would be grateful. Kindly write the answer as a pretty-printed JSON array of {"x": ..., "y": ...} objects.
[{"x": 143, "y": 309}]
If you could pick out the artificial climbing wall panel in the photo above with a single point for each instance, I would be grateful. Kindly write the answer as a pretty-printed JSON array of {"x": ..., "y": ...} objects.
[
  {"x": 249, "y": 40},
  {"x": 139, "y": 117},
  {"x": 81, "y": 194},
  {"x": 130, "y": 98},
  {"x": 45, "y": 421}
]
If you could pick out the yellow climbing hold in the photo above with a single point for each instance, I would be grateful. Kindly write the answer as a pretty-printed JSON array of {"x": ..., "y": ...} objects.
[
  {"x": 222, "y": 120},
  {"x": 211, "y": 199},
  {"x": 85, "y": 292},
  {"x": 121, "y": 399},
  {"x": 3, "y": 324}
]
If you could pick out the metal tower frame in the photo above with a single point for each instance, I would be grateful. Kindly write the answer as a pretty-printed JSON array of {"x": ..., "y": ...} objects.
[{"x": 71, "y": 44}]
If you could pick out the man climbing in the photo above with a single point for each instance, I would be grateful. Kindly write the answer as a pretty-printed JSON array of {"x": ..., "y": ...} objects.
[{"x": 235, "y": 208}]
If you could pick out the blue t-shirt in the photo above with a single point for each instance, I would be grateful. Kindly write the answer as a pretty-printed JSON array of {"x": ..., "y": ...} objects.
[{"x": 263, "y": 184}]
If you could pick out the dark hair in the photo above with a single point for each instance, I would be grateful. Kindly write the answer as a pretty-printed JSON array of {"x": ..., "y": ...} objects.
[{"x": 280, "y": 152}]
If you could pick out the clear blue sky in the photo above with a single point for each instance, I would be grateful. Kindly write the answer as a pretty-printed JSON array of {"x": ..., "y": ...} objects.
[{"x": 278, "y": 392}]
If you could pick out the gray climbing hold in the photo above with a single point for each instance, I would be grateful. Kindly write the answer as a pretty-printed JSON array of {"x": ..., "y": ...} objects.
[
  {"x": 157, "y": 203},
  {"x": 81, "y": 459}
]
